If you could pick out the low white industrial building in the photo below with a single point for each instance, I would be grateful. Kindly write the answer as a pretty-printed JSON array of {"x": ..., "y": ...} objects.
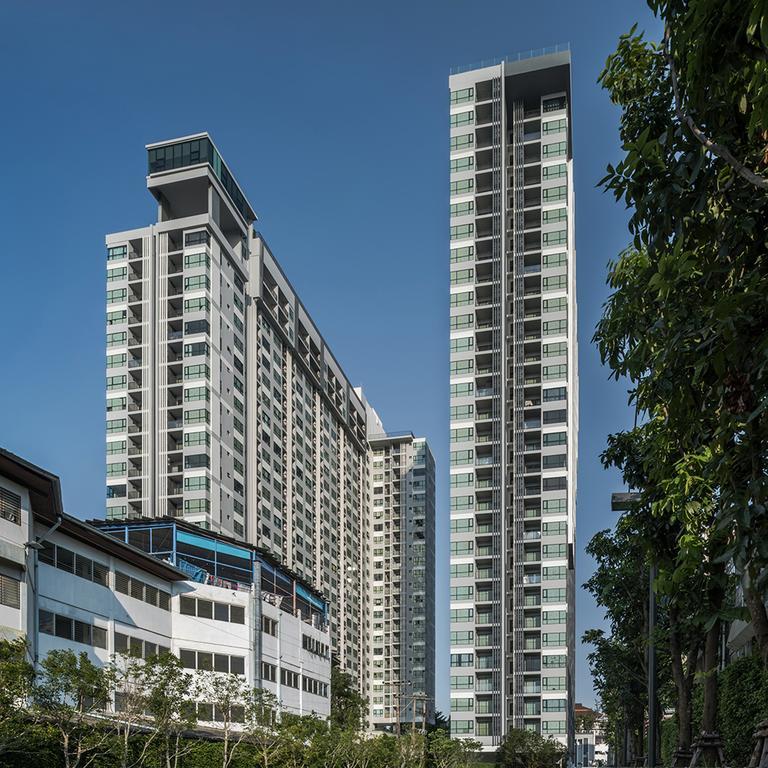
[{"x": 154, "y": 585}]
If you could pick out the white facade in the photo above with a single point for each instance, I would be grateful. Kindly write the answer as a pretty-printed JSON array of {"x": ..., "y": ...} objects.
[{"x": 81, "y": 589}]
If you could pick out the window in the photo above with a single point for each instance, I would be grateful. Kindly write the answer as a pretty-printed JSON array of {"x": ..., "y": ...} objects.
[
  {"x": 137, "y": 589},
  {"x": 462, "y": 682},
  {"x": 234, "y": 665},
  {"x": 555, "y": 507},
  {"x": 554, "y": 617},
  {"x": 196, "y": 283},
  {"x": 552, "y": 260},
  {"x": 467, "y": 253},
  {"x": 269, "y": 626},
  {"x": 556, "y": 305},
  {"x": 463, "y": 209},
  {"x": 554, "y": 438},
  {"x": 462, "y": 142},
  {"x": 118, "y": 294},
  {"x": 71, "y": 629},
  {"x": 196, "y": 305},
  {"x": 462, "y": 95},
  {"x": 553, "y": 683},
  {"x": 554, "y": 171},
  {"x": 462, "y": 593},
  {"x": 554, "y": 195},
  {"x": 560, "y": 237},
  {"x": 118, "y": 252},
  {"x": 314, "y": 646},
  {"x": 115, "y": 361},
  {"x": 196, "y": 393},
  {"x": 462, "y": 457},
  {"x": 201, "y": 237},
  {"x": 554, "y": 216},
  {"x": 208, "y": 609},
  {"x": 118, "y": 273},
  {"x": 556, "y": 283},
  {"x": 463, "y": 637},
  {"x": 10, "y": 592},
  {"x": 462, "y": 231},
  {"x": 462, "y": 321},
  {"x": 462, "y": 659},
  {"x": 462, "y": 390},
  {"x": 117, "y": 339},
  {"x": 462, "y": 570},
  {"x": 196, "y": 372},
  {"x": 553, "y": 661},
  {"x": 549, "y": 551},
  {"x": 462, "y": 548},
  {"x": 462, "y": 276},
  {"x": 116, "y": 446},
  {"x": 462, "y": 367},
  {"x": 289, "y": 678},
  {"x": 554, "y": 104},
  {"x": 462, "y": 615},
  {"x": 556, "y": 149},
  {"x": 10, "y": 506},
  {"x": 197, "y": 259},
  {"x": 554, "y": 126},
  {"x": 117, "y": 317},
  {"x": 559, "y": 528},
  {"x": 555, "y": 327},
  {"x": 462, "y": 705},
  {"x": 192, "y": 327},
  {"x": 462, "y": 164},
  {"x": 268, "y": 672},
  {"x": 465, "y": 344},
  {"x": 554, "y": 573},
  {"x": 196, "y": 438},
  {"x": 553, "y": 595},
  {"x": 554, "y": 393},
  {"x": 197, "y": 506},
  {"x": 555, "y": 350},
  {"x": 462, "y": 118},
  {"x": 201, "y": 483},
  {"x": 462, "y": 479},
  {"x": 462, "y": 299},
  {"x": 549, "y": 372},
  {"x": 198, "y": 348}
]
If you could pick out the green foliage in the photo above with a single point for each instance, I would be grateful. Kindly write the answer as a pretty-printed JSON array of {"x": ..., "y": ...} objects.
[
  {"x": 527, "y": 749},
  {"x": 743, "y": 704},
  {"x": 348, "y": 707}
]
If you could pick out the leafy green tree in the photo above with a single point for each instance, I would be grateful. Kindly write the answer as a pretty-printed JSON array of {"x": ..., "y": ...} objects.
[
  {"x": 70, "y": 692},
  {"x": 445, "y": 752},
  {"x": 16, "y": 679},
  {"x": 170, "y": 702},
  {"x": 686, "y": 320},
  {"x": 348, "y": 707},
  {"x": 527, "y": 749}
]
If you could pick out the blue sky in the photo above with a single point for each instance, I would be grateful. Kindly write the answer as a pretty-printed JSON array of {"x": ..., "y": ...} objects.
[{"x": 334, "y": 118}]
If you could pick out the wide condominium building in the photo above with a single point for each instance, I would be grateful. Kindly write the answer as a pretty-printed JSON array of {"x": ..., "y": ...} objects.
[
  {"x": 225, "y": 406},
  {"x": 401, "y": 611},
  {"x": 514, "y": 408}
]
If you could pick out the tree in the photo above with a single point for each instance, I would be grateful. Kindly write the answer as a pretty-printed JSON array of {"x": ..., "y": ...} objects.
[
  {"x": 70, "y": 694},
  {"x": 686, "y": 320},
  {"x": 348, "y": 707},
  {"x": 527, "y": 749},
  {"x": 127, "y": 678},
  {"x": 170, "y": 701},
  {"x": 445, "y": 752},
  {"x": 16, "y": 679},
  {"x": 229, "y": 696},
  {"x": 262, "y": 726}
]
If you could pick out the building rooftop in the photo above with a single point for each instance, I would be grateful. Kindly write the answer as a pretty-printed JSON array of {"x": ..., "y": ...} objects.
[
  {"x": 198, "y": 149},
  {"x": 533, "y": 53}
]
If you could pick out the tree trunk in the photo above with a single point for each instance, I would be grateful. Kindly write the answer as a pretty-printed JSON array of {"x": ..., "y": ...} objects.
[{"x": 683, "y": 679}]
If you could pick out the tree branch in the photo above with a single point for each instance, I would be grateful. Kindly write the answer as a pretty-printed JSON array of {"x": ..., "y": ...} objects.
[{"x": 711, "y": 146}]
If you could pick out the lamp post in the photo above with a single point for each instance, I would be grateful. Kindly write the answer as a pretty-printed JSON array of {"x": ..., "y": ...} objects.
[{"x": 621, "y": 502}]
